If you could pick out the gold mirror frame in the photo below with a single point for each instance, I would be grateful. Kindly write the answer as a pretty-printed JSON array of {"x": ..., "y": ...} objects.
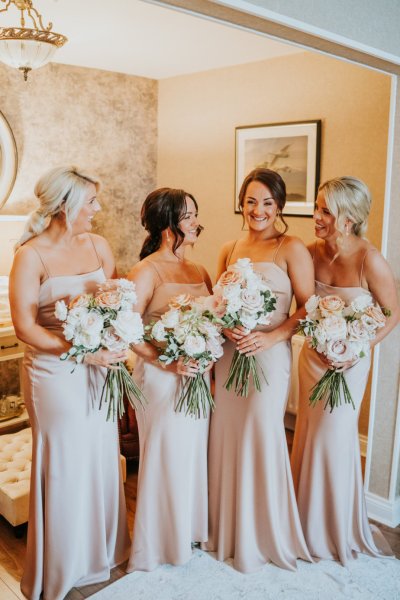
[{"x": 8, "y": 160}]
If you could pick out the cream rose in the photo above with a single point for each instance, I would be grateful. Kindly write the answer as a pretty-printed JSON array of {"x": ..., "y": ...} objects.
[
  {"x": 180, "y": 301},
  {"x": 331, "y": 305},
  {"x": 357, "y": 331},
  {"x": 194, "y": 345},
  {"x": 230, "y": 278},
  {"x": 252, "y": 301},
  {"x": 170, "y": 319},
  {"x": 334, "y": 327},
  {"x": 129, "y": 326},
  {"x": 340, "y": 351},
  {"x": 88, "y": 330},
  {"x": 375, "y": 313},
  {"x": 311, "y": 307},
  {"x": 111, "y": 341},
  {"x": 216, "y": 304},
  {"x": 83, "y": 300},
  {"x": 214, "y": 346},
  {"x": 111, "y": 299}
]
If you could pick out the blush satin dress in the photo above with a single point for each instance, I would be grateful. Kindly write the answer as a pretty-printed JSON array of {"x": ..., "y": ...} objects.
[{"x": 77, "y": 516}]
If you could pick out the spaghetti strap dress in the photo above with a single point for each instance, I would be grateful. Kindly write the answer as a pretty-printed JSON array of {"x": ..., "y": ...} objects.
[
  {"x": 326, "y": 460},
  {"x": 171, "y": 508},
  {"x": 77, "y": 516},
  {"x": 253, "y": 517}
]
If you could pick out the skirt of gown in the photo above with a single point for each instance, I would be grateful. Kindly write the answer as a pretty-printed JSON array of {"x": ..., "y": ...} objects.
[
  {"x": 77, "y": 516},
  {"x": 253, "y": 515},
  {"x": 327, "y": 472},
  {"x": 171, "y": 508}
]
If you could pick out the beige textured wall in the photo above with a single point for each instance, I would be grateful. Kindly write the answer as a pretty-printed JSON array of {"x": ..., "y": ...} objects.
[
  {"x": 198, "y": 115},
  {"x": 105, "y": 122}
]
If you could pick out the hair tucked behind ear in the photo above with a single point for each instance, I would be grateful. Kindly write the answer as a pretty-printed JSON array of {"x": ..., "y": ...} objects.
[
  {"x": 162, "y": 209},
  {"x": 60, "y": 189},
  {"x": 348, "y": 198}
]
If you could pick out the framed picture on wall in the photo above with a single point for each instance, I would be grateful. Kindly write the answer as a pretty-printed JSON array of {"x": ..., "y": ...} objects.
[{"x": 291, "y": 149}]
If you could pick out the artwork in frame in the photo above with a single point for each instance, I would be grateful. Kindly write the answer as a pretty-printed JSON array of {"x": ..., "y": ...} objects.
[
  {"x": 8, "y": 160},
  {"x": 291, "y": 149}
]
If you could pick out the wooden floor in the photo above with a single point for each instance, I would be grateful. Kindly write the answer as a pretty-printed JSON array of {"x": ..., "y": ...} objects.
[{"x": 12, "y": 549}]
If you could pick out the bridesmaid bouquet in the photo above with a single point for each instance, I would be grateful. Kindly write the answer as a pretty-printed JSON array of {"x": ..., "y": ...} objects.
[
  {"x": 248, "y": 301},
  {"x": 341, "y": 333},
  {"x": 105, "y": 320},
  {"x": 189, "y": 330}
]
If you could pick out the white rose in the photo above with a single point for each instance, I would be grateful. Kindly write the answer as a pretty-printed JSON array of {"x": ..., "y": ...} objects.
[
  {"x": 360, "y": 303},
  {"x": 214, "y": 346},
  {"x": 129, "y": 326},
  {"x": 340, "y": 351},
  {"x": 335, "y": 327},
  {"x": 311, "y": 305},
  {"x": 111, "y": 341},
  {"x": 208, "y": 329},
  {"x": 264, "y": 320},
  {"x": 61, "y": 310},
  {"x": 231, "y": 292},
  {"x": 158, "y": 332},
  {"x": 233, "y": 305},
  {"x": 170, "y": 319},
  {"x": 194, "y": 345},
  {"x": 369, "y": 324},
  {"x": 320, "y": 335},
  {"x": 180, "y": 333},
  {"x": 252, "y": 301},
  {"x": 357, "y": 331},
  {"x": 247, "y": 320}
]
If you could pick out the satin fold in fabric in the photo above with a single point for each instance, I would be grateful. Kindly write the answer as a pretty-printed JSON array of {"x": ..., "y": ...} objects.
[
  {"x": 253, "y": 515},
  {"x": 77, "y": 516},
  {"x": 326, "y": 461}
]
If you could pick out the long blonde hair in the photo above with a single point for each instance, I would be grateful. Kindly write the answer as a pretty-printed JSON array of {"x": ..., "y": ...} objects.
[{"x": 60, "y": 189}]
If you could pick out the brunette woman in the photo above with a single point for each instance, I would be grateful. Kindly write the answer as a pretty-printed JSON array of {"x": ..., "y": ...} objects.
[
  {"x": 171, "y": 510},
  {"x": 253, "y": 513}
]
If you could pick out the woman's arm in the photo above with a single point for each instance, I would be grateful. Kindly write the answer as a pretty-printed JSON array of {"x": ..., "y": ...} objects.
[
  {"x": 381, "y": 284},
  {"x": 25, "y": 277},
  {"x": 300, "y": 270}
]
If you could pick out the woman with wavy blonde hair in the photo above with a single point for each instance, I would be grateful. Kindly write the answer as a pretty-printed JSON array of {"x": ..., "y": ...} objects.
[
  {"x": 326, "y": 454},
  {"x": 77, "y": 518}
]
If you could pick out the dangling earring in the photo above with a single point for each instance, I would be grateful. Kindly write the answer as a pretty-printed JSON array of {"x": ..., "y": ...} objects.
[
  {"x": 168, "y": 237},
  {"x": 347, "y": 230}
]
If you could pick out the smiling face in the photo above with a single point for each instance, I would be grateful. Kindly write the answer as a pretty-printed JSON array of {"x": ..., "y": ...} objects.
[
  {"x": 90, "y": 207},
  {"x": 189, "y": 223},
  {"x": 325, "y": 222},
  {"x": 259, "y": 207}
]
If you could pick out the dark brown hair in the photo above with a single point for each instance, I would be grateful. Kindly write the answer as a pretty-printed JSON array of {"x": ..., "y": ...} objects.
[
  {"x": 163, "y": 208},
  {"x": 274, "y": 182}
]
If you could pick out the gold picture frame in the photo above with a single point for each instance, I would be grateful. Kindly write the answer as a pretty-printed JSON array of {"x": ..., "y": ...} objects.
[{"x": 8, "y": 160}]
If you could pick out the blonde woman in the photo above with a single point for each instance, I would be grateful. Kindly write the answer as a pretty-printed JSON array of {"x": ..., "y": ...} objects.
[
  {"x": 326, "y": 455},
  {"x": 77, "y": 519}
]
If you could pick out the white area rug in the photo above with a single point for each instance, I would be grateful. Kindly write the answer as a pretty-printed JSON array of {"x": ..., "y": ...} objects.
[{"x": 204, "y": 578}]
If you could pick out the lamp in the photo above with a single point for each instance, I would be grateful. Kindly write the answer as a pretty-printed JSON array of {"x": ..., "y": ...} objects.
[{"x": 27, "y": 49}]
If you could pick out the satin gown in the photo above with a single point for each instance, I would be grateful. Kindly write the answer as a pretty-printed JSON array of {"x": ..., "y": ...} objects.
[
  {"x": 171, "y": 508},
  {"x": 326, "y": 461},
  {"x": 77, "y": 516},
  {"x": 253, "y": 515}
]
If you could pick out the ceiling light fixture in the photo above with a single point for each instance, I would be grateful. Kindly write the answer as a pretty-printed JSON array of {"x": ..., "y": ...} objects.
[{"x": 27, "y": 49}]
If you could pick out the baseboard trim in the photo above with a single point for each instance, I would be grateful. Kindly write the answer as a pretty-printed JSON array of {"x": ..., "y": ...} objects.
[{"x": 382, "y": 510}]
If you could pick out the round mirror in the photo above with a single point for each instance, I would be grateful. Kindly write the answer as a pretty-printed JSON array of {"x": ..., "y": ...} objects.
[{"x": 8, "y": 160}]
